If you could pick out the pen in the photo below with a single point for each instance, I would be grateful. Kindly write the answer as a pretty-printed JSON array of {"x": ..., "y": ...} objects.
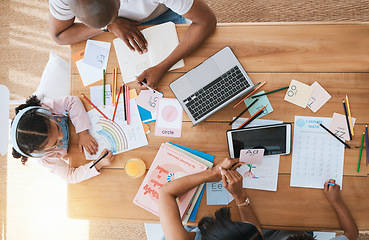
[
  {"x": 361, "y": 151},
  {"x": 247, "y": 108},
  {"x": 148, "y": 86},
  {"x": 329, "y": 131},
  {"x": 88, "y": 100},
  {"x": 99, "y": 159},
  {"x": 251, "y": 91},
  {"x": 262, "y": 94}
]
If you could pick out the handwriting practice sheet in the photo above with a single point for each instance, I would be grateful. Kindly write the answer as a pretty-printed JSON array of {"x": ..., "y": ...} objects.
[{"x": 317, "y": 156}]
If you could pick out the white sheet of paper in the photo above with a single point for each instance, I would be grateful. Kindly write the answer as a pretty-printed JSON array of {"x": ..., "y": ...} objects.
[
  {"x": 316, "y": 156},
  {"x": 95, "y": 55},
  {"x": 162, "y": 40},
  {"x": 261, "y": 176},
  {"x": 339, "y": 126},
  {"x": 96, "y": 93},
  {"x": 4, "y": 119},
  {"x": 252, "y": 156},
  {"x": 116, "y": 136},
  {"x": 298, "y": 93},
  {"x": 318, "y": 98},
  {"x": 149, "y": 100},
  {"x": 169, "y": 118},
  {"x": 88, "y": 73}
]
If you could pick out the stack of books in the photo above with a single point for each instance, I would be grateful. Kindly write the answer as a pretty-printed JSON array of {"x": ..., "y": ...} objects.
[{"x": 170, "y": 163}]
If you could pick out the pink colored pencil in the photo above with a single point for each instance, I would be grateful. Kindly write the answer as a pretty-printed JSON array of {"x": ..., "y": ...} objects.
[
  {"x": 128, "y": 105},
  {"x": 116, "y": 103}
]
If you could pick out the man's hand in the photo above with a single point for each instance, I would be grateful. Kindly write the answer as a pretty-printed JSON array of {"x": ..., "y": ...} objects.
[
  {"x": 86, "y": 141},
  {"x": 127, "y": 31},
  {"x": 151, "y": 76},
  {"x": 332, "y": 192}
]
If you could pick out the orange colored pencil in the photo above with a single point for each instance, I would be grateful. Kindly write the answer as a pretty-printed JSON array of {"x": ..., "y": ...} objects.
[
  {"x": 116, "y": 103},
  {"x": 88, "y": 100},
  {"x": 252, "y": 118},
  {"x": 250, "y": 93}
]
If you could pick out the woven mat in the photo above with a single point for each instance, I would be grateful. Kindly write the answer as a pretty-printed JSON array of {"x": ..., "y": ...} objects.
[{"x": 26, "y": 43}]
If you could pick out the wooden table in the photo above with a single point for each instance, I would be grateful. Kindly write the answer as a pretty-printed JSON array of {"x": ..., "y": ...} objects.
[{"x": 336, "y": 55}]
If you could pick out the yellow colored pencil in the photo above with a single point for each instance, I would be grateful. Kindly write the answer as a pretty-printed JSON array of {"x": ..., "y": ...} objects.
[{"x": 350, "y": 119}]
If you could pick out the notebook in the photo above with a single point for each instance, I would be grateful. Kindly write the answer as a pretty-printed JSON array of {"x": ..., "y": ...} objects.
[{"x": 212, "y": 85}]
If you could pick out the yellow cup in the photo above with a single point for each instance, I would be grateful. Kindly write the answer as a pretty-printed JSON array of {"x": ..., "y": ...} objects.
[{"x": 135, "y": 167}]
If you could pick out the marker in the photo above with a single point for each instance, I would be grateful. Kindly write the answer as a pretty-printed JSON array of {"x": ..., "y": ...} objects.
[{"x": 332, "y": 184}]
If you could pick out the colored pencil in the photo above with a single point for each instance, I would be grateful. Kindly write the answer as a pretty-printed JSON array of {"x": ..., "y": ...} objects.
[
  {"x": 367, "y": 144},
  {"x": 329, "y": 131},
  {"x": 248, "y": 121},
  {"x": 103, "y": 88},
  {"x": 251, "y": 91},
  {"x": 88, "y": 100},
  {"x": 262, "y": 94},
  {"x": 114, "y": 82},
  {"x": 247, "y": 108},
  {"x": 98, "y": 160},
  {"x": 116, "y": 103},
  {"x": 347, "y": 119},
  {"x": 350, "y": 118},
  {"x": 361, "y": 151},
  {"x": 128, "y": 106},
  {"x": 124, "y": 103}
]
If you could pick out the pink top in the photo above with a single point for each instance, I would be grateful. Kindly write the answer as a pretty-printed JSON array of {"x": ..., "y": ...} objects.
[{"x": 56, "y": 159}]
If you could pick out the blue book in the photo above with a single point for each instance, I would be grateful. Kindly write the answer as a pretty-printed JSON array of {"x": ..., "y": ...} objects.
[{"x": 205, "y": 156}]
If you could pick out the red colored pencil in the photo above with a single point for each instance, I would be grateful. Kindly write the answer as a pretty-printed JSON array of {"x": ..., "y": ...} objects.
[
  {"x": 116, "y": 103},
  {"x": 88, "y": 100}
]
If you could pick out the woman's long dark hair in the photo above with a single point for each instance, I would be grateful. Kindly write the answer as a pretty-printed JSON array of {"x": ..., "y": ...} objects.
[
  {"x": 221, "y": 227},
  {"x": 33, "y": 129}
]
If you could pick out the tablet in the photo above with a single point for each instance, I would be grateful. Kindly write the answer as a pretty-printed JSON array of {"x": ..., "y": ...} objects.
[{"x": 275, "y": 139}]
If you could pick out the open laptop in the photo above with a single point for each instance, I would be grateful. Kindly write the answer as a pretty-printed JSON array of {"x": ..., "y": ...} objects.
[{"x": 211, "y": 85}]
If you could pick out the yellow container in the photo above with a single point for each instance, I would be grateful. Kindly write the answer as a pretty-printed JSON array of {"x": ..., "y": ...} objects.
[{"x": 135, "y": 168}]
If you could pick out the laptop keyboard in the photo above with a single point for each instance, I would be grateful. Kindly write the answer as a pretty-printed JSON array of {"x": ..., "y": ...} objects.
[{"x": 216, "y": 93}]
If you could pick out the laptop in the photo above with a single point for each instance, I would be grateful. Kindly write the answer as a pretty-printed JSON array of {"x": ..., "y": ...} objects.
[{"x": 211, "y": 85}]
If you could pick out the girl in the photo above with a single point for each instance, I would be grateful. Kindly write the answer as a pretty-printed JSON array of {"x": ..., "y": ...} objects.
[
  {"x": 40, "y": 130},
  {"x": 219, "y": 227}
]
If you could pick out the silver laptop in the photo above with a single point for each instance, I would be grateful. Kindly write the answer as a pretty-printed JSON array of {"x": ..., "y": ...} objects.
[{"x": 211, "y": 85}]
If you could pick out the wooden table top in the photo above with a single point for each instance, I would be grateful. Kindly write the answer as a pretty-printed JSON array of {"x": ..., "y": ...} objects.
[{"x": 334, "y": 54}]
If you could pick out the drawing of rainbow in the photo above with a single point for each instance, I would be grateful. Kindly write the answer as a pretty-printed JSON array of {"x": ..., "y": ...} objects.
[{"x": 113, "y": 135}]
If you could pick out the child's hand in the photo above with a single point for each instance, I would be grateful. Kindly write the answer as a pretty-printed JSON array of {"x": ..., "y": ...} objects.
[
  {"x": 86, "y": 141},
  {"x": 106, "y": 161},
  {"x": 232, "y": 181},
  {"x": 332, "y": 192},
  {"x": 226, "y": 164}
]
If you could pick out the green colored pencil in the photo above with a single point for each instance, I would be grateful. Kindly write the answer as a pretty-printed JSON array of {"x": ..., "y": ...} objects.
[
  {"x": 262, "y": 94},
  {"x": 104, "y": 87},
  {"x": 361, "y": 151}
]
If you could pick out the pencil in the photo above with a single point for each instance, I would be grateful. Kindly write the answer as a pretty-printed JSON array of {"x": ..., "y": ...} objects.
[
  {"x": 248, "y": 121},
  {"x": 88, "y": 100},
  {"x": 128, "y": 106},
  {"x": 99, "y": 160},
  {"x": 350, "y": 118},
  {"x": 247, "y": 108},
  {"x": 116, "y": 103},
  {"x": 103, "y": 88},
  {"x": 367, "y": 144},
  {"x": 251, "y": 91},
  {"x": 262, "y": 94},
  {"x": 347, "y": 119},
  {"x": 113, "y": 91},
  {"x": 124, "y": 103},
  {"x": 361, "y": 151},
  {"x": 329, "y": 131}
]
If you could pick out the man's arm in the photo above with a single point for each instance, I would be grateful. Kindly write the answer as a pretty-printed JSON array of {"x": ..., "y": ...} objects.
[
  {"x": 203, "y": 25},
  {"x": 332, "y": 192}
]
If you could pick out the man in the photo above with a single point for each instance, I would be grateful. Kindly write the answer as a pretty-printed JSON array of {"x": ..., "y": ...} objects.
[{"x": 122, "y": 18}]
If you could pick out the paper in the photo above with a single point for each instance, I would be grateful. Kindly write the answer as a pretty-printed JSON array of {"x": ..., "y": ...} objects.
[
  {"x": 96, "y": 93},
  {"x": 318, "y": 98},
  {"x": 261, "y": 176},
  {"x": 116, "y": 136},
  {"x": 88, "y": 73},
  {"x": 316, "y": 156},
  {"x": 255, "y": 123},
  {"x": 216, "y": 194},
  {"x": 252, "y": 156},
  {"x": 263, "y": 101},
  {"x": 298, "y": 93},
  {"x": 162, "y": 40},
  {"x": 4, "y": 119},
  {"x": 95, "y": 55},
  {"x": 169, "y": 118},
  {"x": 339, "y": 126},
  {"x": 147, "y": 102}
]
